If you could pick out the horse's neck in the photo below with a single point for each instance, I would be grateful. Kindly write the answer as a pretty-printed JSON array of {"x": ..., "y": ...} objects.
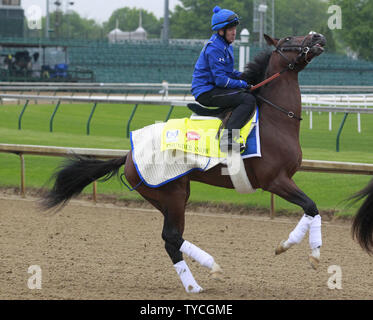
[{"x": 284, "y": 92}]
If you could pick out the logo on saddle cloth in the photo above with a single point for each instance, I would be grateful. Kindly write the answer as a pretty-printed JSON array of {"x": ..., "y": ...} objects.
[
  {"x": 197, "y": 136},
  {"x": 192, "y": 135}
]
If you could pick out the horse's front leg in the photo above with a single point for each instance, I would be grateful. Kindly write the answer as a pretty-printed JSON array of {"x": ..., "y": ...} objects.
[{"x": 311, "y": 220}]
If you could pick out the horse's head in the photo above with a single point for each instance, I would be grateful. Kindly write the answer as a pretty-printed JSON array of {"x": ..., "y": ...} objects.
[{"x": 297, "y": 52}]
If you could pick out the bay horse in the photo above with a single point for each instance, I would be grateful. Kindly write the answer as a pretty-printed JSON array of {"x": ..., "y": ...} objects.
[{"x": 280, "y": 114}]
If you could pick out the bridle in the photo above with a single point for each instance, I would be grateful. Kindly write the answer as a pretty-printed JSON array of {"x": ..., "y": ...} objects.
[{"x": 303, "y": 51}]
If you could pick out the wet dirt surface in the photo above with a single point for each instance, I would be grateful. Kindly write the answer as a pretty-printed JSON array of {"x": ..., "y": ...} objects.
[{"x": 107, "y": 251}]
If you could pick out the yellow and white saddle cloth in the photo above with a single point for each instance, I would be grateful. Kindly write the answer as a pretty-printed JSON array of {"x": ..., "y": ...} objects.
[
  {"x": 197, "y": 136},
  {"x": 163, "y": 152}
]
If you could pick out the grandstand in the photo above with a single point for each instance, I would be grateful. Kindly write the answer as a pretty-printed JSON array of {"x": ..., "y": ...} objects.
[
  {"x": 153, "y": 61},
  {"x": 146, "y": 61},
  {"x": 333, "y": 69}
]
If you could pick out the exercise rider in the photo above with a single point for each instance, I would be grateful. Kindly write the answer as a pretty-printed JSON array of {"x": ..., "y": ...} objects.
[{"x": 215, "y": 81}]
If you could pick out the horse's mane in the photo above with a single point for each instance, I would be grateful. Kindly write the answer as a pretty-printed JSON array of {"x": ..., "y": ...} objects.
[{"x": 255, "y": 70}]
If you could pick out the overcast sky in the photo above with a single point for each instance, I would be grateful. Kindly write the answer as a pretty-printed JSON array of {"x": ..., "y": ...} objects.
[{"x": 101, "y": 10}]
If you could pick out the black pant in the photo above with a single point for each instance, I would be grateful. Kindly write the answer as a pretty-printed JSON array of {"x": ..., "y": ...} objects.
[{"x": 243, "y": 104}]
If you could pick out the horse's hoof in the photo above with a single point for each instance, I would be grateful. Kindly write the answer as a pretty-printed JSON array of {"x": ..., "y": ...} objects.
[
  {"x": 313, "y": 261},
  {"x": 194, "y": 289},
  {"x": 281, "y": 248},
  {"x": 216, "y": 272}
]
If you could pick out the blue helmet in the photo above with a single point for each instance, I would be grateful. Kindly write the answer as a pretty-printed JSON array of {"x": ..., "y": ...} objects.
[{"x": 223, "y": 18}]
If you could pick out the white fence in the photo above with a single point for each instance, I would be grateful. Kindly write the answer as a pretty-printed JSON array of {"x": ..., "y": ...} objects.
[
  {"x": 323, "y": 106},
  {"x": 162, "y": 92},
  {"x": 365, "y": 92},
  {"x": 159, "y": 86},
  {"x": 363, "y": 102},
  {"x": 310, "y": 104}
]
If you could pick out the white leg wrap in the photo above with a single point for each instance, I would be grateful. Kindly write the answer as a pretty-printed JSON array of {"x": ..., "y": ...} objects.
[
  {"x": 192, "y": 251},
  {"x": 186, "y": 277},
  {"x": 316, "y": 253},
  {"x": 297, "y": 235},
  {"x": 315, "y": 232}
]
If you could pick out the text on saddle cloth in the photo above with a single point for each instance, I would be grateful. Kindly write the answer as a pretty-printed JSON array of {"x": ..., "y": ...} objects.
[{"x": 197, "y": 136}]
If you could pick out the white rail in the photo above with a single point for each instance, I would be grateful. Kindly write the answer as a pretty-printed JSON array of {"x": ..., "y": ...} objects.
[
  {"x": 171, "y": 85},
  {"x": 163, "y": 101}
]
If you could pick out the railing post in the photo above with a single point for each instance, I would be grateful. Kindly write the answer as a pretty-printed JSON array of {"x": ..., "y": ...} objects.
[
  {"x": 52, "y": 117},
  {"x": 272, "y": 215},
  {"x": 90, "y": 118},
  {"x": 340, "y": 131},
  {"x": 130, "y": 119},
  {"x": 23, "y": 176},
  {"x": 21, "y": 115},
  {"x": 95, "y": 191},
  {"x": 330, "y": 121},
  {"x": 169, "y": 113}
]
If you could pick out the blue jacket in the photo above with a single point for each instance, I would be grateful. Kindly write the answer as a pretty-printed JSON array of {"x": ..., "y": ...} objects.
[{"x": 215, "y": 68}]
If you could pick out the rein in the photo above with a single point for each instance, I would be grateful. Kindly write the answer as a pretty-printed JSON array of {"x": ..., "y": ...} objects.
[
  {"x": 273, "y": 77},
  {"x": 290, "y": 114}
]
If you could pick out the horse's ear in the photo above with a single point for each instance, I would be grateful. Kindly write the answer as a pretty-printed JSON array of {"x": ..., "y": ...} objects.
[{"x": 271, "y": 41}]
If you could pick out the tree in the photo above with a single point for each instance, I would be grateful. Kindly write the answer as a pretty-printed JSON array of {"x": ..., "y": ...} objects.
[
  {"x": 192, "y": 19},
  {"x": 357, "y": 26},
  {"x": 74, "y": 26},
  {"x": 298, "y": 18},
  {"x": 68, "y": 26},
  {"x": 128, "y": 20}
]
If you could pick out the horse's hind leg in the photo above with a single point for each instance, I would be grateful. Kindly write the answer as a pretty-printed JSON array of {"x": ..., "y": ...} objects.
[
  {"x": 311, "y": 220},
  {"x": 171, "y": 200},
  {"x": 174, "y": 199}
]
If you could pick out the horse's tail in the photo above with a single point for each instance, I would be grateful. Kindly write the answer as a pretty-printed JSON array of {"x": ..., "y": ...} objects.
[
  {"x": 75, "y": 174},
  {"x": 362, "y": 227}
]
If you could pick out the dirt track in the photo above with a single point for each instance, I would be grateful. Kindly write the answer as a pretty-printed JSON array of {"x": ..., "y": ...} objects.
[{"x": 109, "y": 252}]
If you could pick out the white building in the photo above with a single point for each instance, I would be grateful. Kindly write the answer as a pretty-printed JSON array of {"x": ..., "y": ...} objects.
[{"x": 117, "y": 35}]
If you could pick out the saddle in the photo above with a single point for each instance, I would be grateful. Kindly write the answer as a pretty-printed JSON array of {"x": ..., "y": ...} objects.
[{"x": 222, "y": 113}]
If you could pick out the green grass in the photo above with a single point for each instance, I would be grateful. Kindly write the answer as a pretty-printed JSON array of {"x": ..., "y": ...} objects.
[{"x": 108, "y": 130}]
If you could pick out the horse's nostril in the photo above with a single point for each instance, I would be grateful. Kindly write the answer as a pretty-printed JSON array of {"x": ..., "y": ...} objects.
[{"x": 319, "y": 38}]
